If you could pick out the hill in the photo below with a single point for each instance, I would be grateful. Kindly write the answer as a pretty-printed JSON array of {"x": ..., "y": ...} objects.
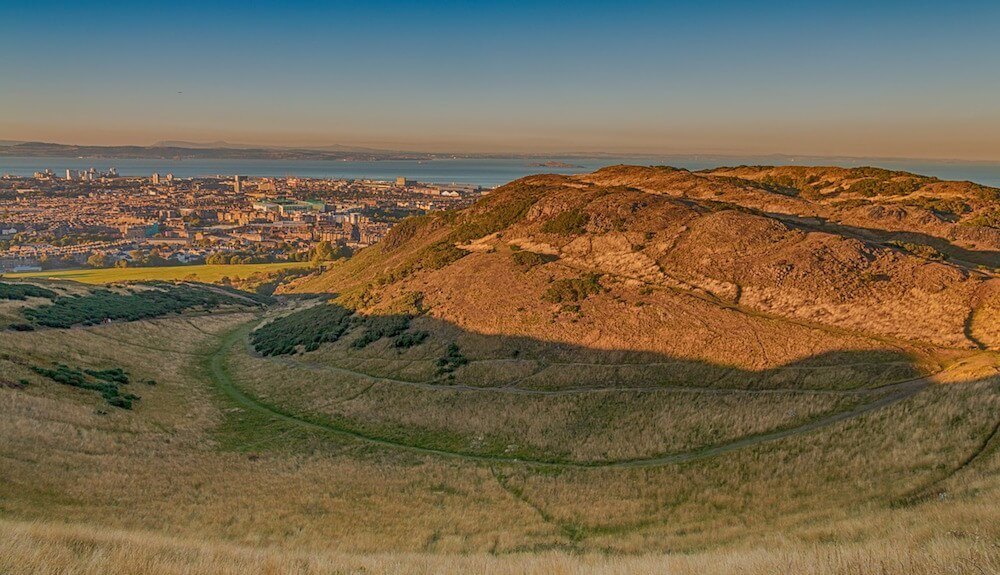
[
  {"x": 637, "y": 257},
  {"x": 187, "y": 150},
  {"x": 635, "y": 370}
]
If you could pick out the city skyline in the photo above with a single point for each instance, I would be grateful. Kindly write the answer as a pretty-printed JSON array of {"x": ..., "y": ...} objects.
[{"x": 896, "y": 80}]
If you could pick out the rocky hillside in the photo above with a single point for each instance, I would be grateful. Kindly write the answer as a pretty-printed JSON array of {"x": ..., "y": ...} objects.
[{"x": 753, "y": 267}]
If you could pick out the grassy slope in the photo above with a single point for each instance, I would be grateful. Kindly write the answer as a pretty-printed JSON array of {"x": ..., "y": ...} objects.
[
  {"x": 217, "y": 486},
  {"x": 232, "y": 485},
  {"x": 202, "y": 273}
]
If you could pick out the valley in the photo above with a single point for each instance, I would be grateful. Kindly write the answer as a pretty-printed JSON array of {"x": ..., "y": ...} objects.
[{"x": 640, "y": 370}]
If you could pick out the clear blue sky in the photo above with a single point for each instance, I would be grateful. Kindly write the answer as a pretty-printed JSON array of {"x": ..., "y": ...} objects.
[{"x": 918, "y": 79}]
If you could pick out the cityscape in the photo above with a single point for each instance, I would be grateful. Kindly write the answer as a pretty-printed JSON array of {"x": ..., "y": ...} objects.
[{"x": 100, "y": 219}]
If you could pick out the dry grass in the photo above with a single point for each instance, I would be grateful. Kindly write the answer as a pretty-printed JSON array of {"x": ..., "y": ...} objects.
[
  {"x": 587, "y": 426},
  {"x": 188, "y": 482},
  {"x": 83, "y": 550}
]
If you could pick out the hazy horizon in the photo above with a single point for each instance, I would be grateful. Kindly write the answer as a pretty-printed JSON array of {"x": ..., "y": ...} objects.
[{"x": 853, "y": 80}]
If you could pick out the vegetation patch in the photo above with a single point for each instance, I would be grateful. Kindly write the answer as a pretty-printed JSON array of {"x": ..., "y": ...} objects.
[
  {"x": 309, "y": 327},
  {"x": 574, "y": 289},
  {"x": 19, "y": 384},
  {"x": 107, "y": 382},
  {"x": 24, "y": 291},
  {"x": 496, "y": 212},
  {"x": 527, "y": 260},
  {"x": 986, "y": 219},
  {"x": 570, "y": 222},
  {"x": 105, "y": 305},
  {"x": 379, "y": 326},
  {"x": 920, "y": 250},
  {"x": 410, "y": 339},
  {"x": 452, "y": 360},
  {"x": 871, "y": 187}
]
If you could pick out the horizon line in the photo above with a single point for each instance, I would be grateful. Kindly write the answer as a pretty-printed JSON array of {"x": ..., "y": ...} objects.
[{"x": 222, "y": 144}]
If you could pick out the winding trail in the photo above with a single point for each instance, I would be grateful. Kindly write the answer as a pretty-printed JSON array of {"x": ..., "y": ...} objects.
[{"x": 219, "y": 374}]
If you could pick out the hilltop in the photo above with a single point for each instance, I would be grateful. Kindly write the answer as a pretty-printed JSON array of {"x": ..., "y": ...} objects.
[{"x": 752, "y": 265}]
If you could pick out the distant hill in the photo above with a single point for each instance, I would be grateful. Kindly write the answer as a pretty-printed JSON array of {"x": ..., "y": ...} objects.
[
  {"x": 215, "y": 150},
  {"x": 222, "y": 144}
]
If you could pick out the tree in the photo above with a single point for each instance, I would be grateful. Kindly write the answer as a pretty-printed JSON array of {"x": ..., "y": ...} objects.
[
  {"x": 323, "y": 251},
  {"x": 97, "y": 260}
]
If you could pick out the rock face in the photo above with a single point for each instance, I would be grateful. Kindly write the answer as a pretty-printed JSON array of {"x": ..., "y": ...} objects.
[{"x": 751, "y": 266}]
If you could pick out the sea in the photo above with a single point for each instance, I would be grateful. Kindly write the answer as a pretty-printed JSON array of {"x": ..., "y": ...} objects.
[{"x": 487, "y": 173}]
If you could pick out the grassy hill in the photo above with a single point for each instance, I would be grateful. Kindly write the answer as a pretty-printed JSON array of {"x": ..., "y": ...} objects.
[{"x": 629, "y": 371}]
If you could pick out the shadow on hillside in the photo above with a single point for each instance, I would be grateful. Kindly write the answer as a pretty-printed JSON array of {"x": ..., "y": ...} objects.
[
  {"x": 425, "y": 350},
  {"x": 956, "y": 254}
]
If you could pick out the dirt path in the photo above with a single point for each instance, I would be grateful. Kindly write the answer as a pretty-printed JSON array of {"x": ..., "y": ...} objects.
[{"x": 217, "y": 371}]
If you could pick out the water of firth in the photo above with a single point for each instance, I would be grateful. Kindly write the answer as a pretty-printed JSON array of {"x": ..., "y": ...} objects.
[{"x": 483, "y": 172}]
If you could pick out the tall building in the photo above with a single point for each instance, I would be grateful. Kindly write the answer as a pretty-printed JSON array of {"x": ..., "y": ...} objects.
[
  {"x": 236, "y": 184},
  {"x": 155, "y": 178},
  {"x": 69, "y": 174},
  {"x": 170, "y": 177}
]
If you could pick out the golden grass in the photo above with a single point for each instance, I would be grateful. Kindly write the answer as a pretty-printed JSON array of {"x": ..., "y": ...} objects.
[
  {"x": 83, "y": 550},
  {"x": 202, "y": 273},
  {"x": 188, "y": 482}
]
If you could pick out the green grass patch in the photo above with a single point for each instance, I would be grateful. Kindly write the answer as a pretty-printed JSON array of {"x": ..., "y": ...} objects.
[{"x": 202, "y": 273}]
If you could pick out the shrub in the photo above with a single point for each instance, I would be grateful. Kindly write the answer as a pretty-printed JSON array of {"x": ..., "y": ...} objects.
[
  {"x": 920, "y": 250},
  {"x": 23, "y": 291},
  {"x": 567, "y": 223},
  {"x": 102, "y": 305},
  {"x": 989, "y": 219},
  {"x": 379, "y": 326},
  {"x": 452, "y": 360},
  {"x": 528, "y": 260},
  {"x": 107, "y": 382},
  {"x": 410, "y": 339},
  {"x": 871, "y": 187},
  {"x": 575, "y": 289},
  {"x": 309, "y": 327}
]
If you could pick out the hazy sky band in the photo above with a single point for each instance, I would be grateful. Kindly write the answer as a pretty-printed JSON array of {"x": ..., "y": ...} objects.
[{"x": 898, "y": 79}]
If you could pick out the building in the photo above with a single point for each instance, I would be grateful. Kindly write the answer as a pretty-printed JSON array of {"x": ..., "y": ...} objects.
[
  {"x": 236, "y": 184},
  {"x": 155, "y": 178}
]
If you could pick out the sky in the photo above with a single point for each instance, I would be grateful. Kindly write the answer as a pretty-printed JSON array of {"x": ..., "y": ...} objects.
[{"x": 870, "y": 79}]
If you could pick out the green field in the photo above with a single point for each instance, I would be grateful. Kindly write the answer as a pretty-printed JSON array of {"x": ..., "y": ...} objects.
[{"x": 202, "y": 273}]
